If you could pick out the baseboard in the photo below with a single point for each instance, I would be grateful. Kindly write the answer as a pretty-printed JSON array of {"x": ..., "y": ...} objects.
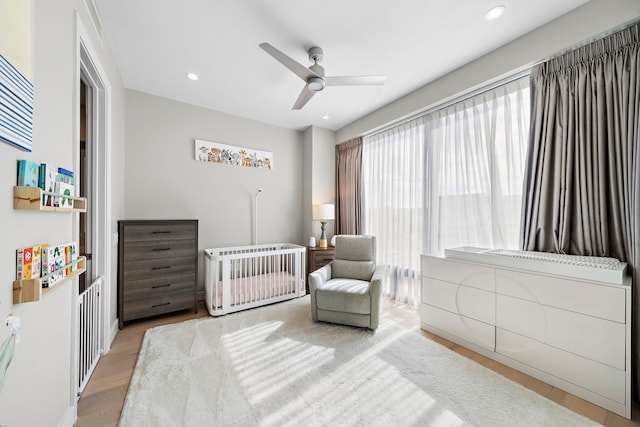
[
  {"x": 114, "y": 331},
  {"x": 70, "y": 417}
]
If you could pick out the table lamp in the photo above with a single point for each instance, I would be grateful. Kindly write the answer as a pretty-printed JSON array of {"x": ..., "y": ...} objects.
[{"x": 325, "y": 213}]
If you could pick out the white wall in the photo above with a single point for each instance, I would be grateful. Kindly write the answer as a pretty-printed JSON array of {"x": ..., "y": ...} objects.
[
  {"x": 318, "y": 178},
  {"x": 164, "y": 181},
  {"x": 583, "y": 24},
  {"x": 323, "y": 174},
  {"x": 38, "y": 387}
]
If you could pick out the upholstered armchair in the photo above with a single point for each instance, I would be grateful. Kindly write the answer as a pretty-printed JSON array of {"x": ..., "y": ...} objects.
[{"x": 348, "y": 290}]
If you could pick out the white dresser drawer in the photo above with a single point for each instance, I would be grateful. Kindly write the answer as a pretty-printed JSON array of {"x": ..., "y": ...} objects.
[
  {"x": 588, "y": 374},
  {"x": 460, "y": 273},
  {"x": 582, "y": 297},
  {"x": 594, "y": 338},
  {"x": 468, "y": 329},
  {"x": 470, "y": 302}
]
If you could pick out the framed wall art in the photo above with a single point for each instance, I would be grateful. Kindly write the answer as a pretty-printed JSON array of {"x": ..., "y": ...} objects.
[{"x": 215, "y": 152}]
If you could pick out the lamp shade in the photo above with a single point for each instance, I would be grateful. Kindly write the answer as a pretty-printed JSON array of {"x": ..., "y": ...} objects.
[{"x": 325, "y": 212}]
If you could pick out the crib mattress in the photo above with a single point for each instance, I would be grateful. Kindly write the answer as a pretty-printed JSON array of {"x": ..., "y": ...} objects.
[{"x": 261, "y": 287}]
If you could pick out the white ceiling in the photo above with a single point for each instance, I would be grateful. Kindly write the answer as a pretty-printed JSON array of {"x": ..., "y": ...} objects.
[{"x": 412, "y": 42}]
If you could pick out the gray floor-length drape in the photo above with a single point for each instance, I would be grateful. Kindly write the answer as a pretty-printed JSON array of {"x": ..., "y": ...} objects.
[
  {"x": 349, "y": 187},
  {"x": 582, "y": 176}
]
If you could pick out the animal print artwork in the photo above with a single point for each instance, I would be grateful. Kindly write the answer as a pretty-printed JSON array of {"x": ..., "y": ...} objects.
[{"x": 214, "y": 152}]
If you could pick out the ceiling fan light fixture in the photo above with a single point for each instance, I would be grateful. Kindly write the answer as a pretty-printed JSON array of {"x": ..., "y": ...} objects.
[
  {"x": 192, "y": 76},
  {"x": 315, "y": 84},
  {"x": 494, "y": 13}
]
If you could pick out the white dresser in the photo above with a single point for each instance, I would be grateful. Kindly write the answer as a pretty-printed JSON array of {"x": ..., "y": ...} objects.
[{"x": 564, "y": 323}]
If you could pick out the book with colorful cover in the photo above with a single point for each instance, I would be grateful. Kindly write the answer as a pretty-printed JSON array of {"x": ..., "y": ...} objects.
[
  {"x": 47, "y": 182},
  {"x": 66, "y": 172},
  {"x": 28, "y": 173},
  {"x": 65, "y": 190},
  {"x": 53, "y": 260},
  {"x": 29, "y": 262},
  {"x": 24, "y": 262},
  {"x": 70, "y": 255}
]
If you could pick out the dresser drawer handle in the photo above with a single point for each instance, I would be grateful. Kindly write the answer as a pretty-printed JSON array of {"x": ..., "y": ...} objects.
[
  {"x": 161, "y": 232},
  {"x": 327, "y": 259},
  {"x": 161, "y": 268},
  {"x": 160, "y": 249},
  {"x": 161, "y": 286},
  {"x": 160, "y": 305}
]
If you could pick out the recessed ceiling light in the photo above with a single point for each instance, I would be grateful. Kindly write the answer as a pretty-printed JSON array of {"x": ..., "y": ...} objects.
[
  {"x": 325, "y": 117},
  {"x": 494, "y": 13},
  {"x": 192, "y": 76}
]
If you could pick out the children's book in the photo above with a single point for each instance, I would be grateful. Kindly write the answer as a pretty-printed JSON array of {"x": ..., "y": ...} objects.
[
  {"x": 28, "y": 173},
  {"x": 24, "y": 262},
  {"x": 66, "y": 190},
  {"x": 47, "y": 182},
  {"x": 29, "y": 262},
  {"x": 70, "y": 255},
  {"x": 66, "y": 172},
  {"x": 53, "y": 260}
]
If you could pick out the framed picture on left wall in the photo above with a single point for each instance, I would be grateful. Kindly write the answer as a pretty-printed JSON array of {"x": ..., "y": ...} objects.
[{"x": 16, "y": 89}]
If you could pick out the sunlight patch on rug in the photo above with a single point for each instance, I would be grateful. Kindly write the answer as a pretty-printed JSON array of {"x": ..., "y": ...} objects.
[{"x": 273, "y": 366}]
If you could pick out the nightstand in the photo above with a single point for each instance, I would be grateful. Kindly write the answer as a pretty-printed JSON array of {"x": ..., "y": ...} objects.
[{"x": 316, "y": 258}]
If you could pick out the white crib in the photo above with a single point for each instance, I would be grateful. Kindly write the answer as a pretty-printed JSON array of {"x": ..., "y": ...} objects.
[{"x": 243, "y": 277}]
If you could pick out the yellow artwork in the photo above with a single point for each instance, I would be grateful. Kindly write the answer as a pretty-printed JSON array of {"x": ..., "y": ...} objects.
[
  {"x": 15, "y": 34},
  {"x": 16, "y": 96}
]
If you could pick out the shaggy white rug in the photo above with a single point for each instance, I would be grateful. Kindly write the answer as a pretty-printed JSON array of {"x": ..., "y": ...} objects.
[{"x": 272, "y": 366}]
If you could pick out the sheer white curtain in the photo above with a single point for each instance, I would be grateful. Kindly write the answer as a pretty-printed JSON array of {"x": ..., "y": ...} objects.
[
  {"x": 392, "y": 181},
  {"x": 450, "y": 178},
  {"x": 474, "y": 169}
]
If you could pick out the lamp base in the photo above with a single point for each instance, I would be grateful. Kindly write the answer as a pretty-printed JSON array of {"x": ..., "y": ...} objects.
[{"x": 323, "y": 234}]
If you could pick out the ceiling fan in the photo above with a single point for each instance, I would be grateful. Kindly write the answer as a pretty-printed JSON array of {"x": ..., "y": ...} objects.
[{"x": 314, "y": 77}]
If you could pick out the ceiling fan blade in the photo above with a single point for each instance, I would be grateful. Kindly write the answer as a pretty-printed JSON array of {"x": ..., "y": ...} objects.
[
  {"x": 298, "y": 69},
  {"x": 303, "y": 98},
  {"x": 354, "y": 80}
]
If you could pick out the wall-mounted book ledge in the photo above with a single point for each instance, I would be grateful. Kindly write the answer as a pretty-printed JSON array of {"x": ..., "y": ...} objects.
[
  {"x": 29, "y": 290},
  {"x": 32, "y": 198}
]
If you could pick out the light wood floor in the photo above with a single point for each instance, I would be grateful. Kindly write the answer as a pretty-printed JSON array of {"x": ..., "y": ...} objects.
[{"x": 103, "y": 398}]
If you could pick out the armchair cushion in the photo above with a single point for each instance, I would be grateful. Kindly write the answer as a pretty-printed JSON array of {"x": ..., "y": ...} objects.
[
  {"x": 351, "y": 296},
  {"x": 355, "y": 248},
  {"x": 360, "y": 270}
]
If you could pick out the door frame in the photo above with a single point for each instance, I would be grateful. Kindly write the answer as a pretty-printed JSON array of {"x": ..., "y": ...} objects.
[{"x": 89, "y": 67}]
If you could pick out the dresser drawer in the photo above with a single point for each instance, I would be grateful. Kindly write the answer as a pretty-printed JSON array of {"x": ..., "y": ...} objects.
[
  {"x": 591, "y": 337},
  {"x": 460, "y": 273},
  {"x": 159, "y": 232},
  {"x": 320, "y": 259},
  {"x": 168, "y": 284},
  {"x": 151, "y": 305},
  {"x": 582, "y": 371},
  {"x": 159, "y": 250},
  {"x": 136, "y": 270},
  {"x": 582, "y": 297},
  {"x": 471, "y": 330},
  {"x": 458, "y": 299}
]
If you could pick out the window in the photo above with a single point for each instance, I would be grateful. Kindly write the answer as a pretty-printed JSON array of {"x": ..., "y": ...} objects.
[{"x": 450, "y": 178}]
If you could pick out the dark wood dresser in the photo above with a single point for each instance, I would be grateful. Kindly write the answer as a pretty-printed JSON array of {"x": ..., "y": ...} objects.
[
  {"x": 318, "y": 257},
  {"x": 157, "y": 267}
]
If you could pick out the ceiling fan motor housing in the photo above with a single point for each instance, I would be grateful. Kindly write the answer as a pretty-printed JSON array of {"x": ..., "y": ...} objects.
[
  {"x": 316, "y": 84},
  {"x": 316, "y": 54}
]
